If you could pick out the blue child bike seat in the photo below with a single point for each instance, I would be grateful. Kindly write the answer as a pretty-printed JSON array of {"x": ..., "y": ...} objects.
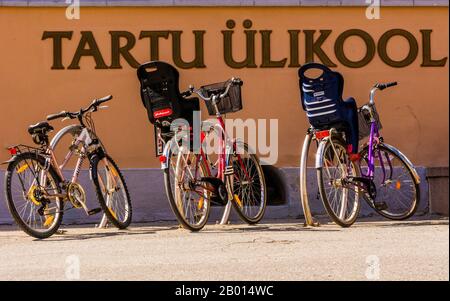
[{"x": 321, "y": 97}]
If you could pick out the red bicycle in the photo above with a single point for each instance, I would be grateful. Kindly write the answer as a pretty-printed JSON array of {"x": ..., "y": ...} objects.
[{"x": 222, "y": 171}]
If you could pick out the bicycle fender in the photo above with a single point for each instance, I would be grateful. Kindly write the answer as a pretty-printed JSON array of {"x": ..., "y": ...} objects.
[
  {"x": 166, "y": 154},
  {"x": 403, "y": 157},
  {"x": 319, "y": 153},
  {"x": 61, "y": 132},
  {"x": 9, "y": 161}
]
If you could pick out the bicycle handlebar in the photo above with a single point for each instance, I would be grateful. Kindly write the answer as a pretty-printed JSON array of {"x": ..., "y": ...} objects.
[
  {"x": 384, "y": 86},
  {"x": 379, "y": 87},
  {"x": 57, "y": 115},
  {"x": 92, "y": 107}
]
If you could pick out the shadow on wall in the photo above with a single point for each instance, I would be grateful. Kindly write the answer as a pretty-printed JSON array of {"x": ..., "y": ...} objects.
[{"x": 276, "y": 190}]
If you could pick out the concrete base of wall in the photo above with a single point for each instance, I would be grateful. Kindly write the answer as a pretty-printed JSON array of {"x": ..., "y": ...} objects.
[
  {"x": 437, "y": 178},
  {"x": 146, "y": 187}
]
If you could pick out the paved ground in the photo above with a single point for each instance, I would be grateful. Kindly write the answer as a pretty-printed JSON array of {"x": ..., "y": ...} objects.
[{"x": 275, "y": 250}]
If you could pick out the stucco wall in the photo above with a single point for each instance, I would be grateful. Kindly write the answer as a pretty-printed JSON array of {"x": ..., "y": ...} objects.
[{"x": 414, "y": 114}]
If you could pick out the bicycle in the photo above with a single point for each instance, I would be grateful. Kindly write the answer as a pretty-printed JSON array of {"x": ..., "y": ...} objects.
[
  {"x": 383, "y": 176},
  {"x": 36, "y": 189},
  {"x": 165, "y": 104},
  {"x": 233, "y": 177}
]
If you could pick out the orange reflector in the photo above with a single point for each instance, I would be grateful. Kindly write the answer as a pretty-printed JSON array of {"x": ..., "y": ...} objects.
[
  {"x": 22, "y": 168},
  {"x": 200, "y": 203},
  {"x": 322, "y": 134},
  {"x": 398, "y": 185},
  {"x": 113, "y": 213},
  {"x": 49, "y": 220},
  {"x": 237, "y": 200},
  {"x": 114, "y": 172}
]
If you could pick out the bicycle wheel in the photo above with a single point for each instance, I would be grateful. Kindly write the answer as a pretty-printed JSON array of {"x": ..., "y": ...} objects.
[
  {"x": 249, "y": 186},
  {"x": 340, "y": 198},
  {"x": 27, "y": 183},
  {"x": 189, "y": 202},
  {"x": 112, "y": 192},
  {"x": 397, "y": 190}
]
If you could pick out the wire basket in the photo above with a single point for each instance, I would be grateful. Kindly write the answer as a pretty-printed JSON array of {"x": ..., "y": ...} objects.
[
  {"x": 364, "y": 121},
  {"x": 232, "y": 102}
]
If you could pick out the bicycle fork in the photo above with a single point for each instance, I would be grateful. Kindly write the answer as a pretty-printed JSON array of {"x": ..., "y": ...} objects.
[{"x": 229, "y": 182}]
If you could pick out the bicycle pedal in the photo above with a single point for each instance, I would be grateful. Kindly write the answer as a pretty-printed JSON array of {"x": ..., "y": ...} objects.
[
  {"x": 94, "y": 211},
  {"x": 215, "y": 182},
  {"x": 219, "y": 191},
  {"x": 362, "y": 180},
  {"x": 381, "y": 206}
]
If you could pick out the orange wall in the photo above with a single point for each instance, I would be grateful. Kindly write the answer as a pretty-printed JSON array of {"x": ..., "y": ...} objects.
[{"x": 414, "y": 114}]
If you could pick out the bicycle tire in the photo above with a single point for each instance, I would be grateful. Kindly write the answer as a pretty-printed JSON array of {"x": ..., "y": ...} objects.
[
  {"x": 10, "y": 202},
  {"x": 257, "y": 218},
  {"x": 128, "y": 207},
  {"x": 172, "y": 201},
  {"x": 415, "y": 203},
  {"x": 347, "y": 222}
]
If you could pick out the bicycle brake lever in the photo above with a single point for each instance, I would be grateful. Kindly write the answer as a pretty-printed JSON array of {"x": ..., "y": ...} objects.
[
  {"x": 103, "y": 107},
  {"x": 64, "y": 119}
]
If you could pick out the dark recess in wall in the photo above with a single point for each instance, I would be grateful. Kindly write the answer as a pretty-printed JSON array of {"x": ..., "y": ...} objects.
[{"x": 276, "y": 192}]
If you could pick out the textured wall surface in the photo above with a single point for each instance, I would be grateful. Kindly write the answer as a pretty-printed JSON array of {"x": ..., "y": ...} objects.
[{"x": 414, "y": 114}]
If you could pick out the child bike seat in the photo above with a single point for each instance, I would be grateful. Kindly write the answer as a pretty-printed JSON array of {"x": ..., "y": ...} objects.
[
  {"x": 161, "y": 95},
  {"x": 321, "y": 97}
]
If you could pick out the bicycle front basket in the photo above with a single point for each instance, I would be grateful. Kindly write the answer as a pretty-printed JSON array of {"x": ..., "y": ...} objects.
[
  {"x": 229, "y": 104},
  {"x": 364, "y": 122}
]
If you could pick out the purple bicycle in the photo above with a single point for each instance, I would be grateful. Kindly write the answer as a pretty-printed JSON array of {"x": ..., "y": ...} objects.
[{"x": 383, "y": 177}]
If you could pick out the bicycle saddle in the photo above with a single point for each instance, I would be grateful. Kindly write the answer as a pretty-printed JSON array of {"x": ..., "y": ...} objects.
[{"x": 42, "y": 127}]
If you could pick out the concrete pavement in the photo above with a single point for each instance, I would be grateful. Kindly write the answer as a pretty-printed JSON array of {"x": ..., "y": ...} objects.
[{"x": 273, "y": 250}]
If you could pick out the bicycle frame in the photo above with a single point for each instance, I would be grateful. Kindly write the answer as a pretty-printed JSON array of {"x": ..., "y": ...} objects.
[
  {"x": 84, "y": 139},
  {"x": 374, "y": 139},
  {"x": 226, "y": 147}
]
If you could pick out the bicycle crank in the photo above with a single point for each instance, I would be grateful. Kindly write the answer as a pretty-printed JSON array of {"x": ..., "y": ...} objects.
[
  {"x": 368, "y": 186},
  {"x": 219, "y": 194},
  {"x": 77, "y": 197}
]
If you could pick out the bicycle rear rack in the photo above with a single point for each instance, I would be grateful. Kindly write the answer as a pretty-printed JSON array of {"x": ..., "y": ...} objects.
[{"x": 22, "y": 148}]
